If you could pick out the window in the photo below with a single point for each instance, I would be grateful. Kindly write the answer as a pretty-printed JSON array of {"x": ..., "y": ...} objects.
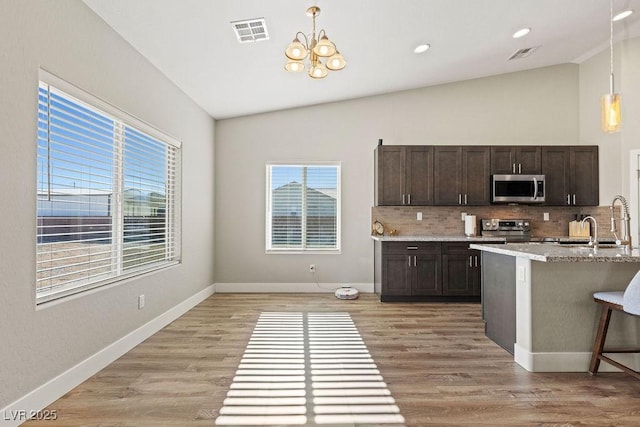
[
  {"x": 107, "y": 202},
  {"x": 303, "y": 207}
]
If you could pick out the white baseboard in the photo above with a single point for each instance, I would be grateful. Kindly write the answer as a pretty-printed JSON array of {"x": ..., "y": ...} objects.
[
  {"x": 567, "y": 361},
  {"x": 17, "y": 412},
  {"x": 288, "y": 287}
]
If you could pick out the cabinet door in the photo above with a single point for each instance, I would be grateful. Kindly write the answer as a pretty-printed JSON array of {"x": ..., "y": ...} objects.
[
  {"x": 476, "y": 172},
  {"x": 447, "y": 175},
  {"x": 456, "y": 277},
  {"x": 528, "y": 160},
  {"x": 503, "y": 160},
  {"x": 427, "y": 274},
  {"x": 555, "y": 166},
  {"x": 419, "y": 175},
  {"x": 584, "y": 176},
  {"x": 475, "y": 275},
  {"x": 390, "y": 179},
  {"x": 397, "y": 272}
]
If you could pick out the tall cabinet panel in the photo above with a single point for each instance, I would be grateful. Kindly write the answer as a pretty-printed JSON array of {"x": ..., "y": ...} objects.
[
  {"x": 476, "y": 182},
  {"x": 404, "y": 175},
  {"x": 390, "y": 172},
  {"x": 571, "y": 175},
  {"x": 461, "y": 175}
]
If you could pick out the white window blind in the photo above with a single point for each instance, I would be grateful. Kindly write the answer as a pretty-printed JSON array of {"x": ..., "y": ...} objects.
[
  {"x": 107, "y": 203},
  {"x": 303, "y": 207}
]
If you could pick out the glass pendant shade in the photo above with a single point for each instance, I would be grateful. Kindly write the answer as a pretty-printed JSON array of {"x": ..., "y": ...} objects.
[
  {"x": 296, "y": 50},
  {"x": 610, "y": 103},
  {"x": 324, "y": 47},
  {"x": 294, "y": 66},
  {"x": 336, "y": 62},
  {"x": 318, "y": 71}
]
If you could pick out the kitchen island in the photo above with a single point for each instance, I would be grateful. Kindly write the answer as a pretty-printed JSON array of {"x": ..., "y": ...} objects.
[{"x": 537, "y": 301}]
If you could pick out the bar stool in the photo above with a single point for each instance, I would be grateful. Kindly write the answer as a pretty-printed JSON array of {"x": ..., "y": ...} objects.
[{"x": 627, "y": 302}]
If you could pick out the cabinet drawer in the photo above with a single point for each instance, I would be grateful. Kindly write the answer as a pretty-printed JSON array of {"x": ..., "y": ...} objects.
[{"x": 410, "y": 247}]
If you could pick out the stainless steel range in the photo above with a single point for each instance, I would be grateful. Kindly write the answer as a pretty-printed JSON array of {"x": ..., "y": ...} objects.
[{"x": 512, "y": 230}]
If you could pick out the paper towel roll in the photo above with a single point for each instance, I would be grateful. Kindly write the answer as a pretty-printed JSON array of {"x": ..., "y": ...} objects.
[{"x": 470, "y": 225}]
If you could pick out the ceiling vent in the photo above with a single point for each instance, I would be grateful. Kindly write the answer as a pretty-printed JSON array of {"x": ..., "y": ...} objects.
[
  {"x": 523, "y": 53},
  {"x": 250, "y": 30}
]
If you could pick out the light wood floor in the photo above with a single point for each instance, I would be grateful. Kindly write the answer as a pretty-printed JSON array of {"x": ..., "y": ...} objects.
[{"x": 438, "y": 364}]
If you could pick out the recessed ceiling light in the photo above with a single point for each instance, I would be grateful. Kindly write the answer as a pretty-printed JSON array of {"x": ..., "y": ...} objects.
[
  {"x": 521, "y": 33},
  {"x": 622, "y": 15},
  {"x": 422, "y": 48}
]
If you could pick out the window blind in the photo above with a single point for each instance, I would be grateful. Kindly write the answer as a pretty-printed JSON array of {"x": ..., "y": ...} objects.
[
  {"x": 106, "y": 196},
  {"x": 303, "y": 207}
]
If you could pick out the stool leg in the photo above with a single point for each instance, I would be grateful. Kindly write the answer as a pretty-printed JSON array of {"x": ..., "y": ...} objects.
[{"x": 601, "y": 335}]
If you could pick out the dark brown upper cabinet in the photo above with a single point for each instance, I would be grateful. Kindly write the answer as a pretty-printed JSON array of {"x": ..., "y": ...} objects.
[
  {"x": 516, "y": 160},
  {"x": 571, "y": 175},
  {"x": 462, "y": 175},
  {"x": 404, "y": 175}
]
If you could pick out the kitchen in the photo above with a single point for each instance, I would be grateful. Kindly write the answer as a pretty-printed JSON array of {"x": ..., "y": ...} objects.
[{"x": 544, "y": 314}]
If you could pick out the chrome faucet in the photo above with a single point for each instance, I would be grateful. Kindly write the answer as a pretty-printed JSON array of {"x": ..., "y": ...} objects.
[
  {"x": 626, "y": 224},
  {"x": 592, "y": 241}
]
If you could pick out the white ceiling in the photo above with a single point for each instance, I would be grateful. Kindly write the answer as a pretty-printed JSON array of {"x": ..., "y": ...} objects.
[{"x": 192, "y": 42}]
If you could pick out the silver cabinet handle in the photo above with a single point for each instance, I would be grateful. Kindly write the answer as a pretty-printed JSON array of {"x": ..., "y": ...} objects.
[
  {"x": 414, "y": 260},
  {"x": 409, "y": 257},
  {"x": 476, "y": 260},
  {"x": 568, "y": 199},
  {"x": 513, "y": 168},
  {"x": 409, "y": 199},
  {"x": 412, "y": 248},
  {"x": 459, "y": 199},
  {"x": 470, "y": 263},
  {"x": 465, "y": 199},
  {"x": 574, "y": 199},
  {"x": 403, "y": 199},
  {"x": 519, "y": 167}
]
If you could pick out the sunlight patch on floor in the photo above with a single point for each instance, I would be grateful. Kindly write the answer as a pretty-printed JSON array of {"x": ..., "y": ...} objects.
[{"x": 307, "y": 369}]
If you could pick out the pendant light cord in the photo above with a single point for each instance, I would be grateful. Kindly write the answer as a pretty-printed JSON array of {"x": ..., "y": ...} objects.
[{"x": 611, "y": 45}]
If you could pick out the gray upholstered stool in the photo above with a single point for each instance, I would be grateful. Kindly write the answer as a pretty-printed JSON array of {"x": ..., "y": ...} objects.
[{"x": 627, "y": 302}]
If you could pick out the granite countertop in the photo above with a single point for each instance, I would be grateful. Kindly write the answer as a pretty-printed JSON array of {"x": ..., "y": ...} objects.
[
  {"x": 437, "y": 238},
  {"x": 550, "y": 252}
]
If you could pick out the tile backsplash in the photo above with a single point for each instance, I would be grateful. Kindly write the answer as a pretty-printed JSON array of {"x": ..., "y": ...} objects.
[{"x": 447, "y": 220}]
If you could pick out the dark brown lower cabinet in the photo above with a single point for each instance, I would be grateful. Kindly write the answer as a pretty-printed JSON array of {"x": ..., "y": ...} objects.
[
  {"x": 427, "y": 271},
  {"x": 460, "y": 270}
]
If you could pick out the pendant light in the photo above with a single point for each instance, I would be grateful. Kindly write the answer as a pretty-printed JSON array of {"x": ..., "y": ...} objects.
[{"x": 610, "y": 102}]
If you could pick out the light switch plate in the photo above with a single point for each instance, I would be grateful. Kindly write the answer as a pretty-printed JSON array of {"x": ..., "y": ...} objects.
[
  {"x": 545, "y": 216},
  {"x": 463, "y": 215},
  {"x": 419, "y": 216}
]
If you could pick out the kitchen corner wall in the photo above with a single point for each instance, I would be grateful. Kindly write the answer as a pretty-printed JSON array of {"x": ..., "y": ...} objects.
[
  {"x": 447, "y": 220},
  {"x": 507, "y": 109}
]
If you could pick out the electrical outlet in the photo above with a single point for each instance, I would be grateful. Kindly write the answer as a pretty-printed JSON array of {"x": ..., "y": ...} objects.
[
  {"x": 545, "y": 216},
  {"x": 312, "y": 268},
  {"x": 140, "y": 302},
  {"x": 463, "y": 215},
  {"x": 419, "y": 216}
]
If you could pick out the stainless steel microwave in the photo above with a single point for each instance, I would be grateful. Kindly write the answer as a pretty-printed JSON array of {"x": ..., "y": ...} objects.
[{"x": 517, "y": 189}]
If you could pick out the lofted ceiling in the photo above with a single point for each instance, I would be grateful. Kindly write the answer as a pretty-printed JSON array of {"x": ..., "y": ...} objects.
[{"x": 193, "y": 43}]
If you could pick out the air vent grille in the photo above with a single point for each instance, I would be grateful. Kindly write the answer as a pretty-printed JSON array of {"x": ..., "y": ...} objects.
[
  {"x": 523, "y": 53},
  {"x": 250, "y": 30}
]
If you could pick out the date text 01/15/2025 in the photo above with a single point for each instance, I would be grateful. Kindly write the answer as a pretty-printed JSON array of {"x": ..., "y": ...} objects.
[{"x": 24, "y": 415}]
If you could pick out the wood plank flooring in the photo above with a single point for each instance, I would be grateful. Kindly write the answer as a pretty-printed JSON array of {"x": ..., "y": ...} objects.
[{"x": 437, "y": 363}]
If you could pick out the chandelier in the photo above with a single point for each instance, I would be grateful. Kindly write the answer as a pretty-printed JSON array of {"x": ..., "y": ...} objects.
[
  {"x": 316, "y": 50},
  {"x": 610, "y": 102}
]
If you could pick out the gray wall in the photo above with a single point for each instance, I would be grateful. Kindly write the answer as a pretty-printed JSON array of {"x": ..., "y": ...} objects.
[
  {"x": 614, "y": 148},
  {"x": 68, "y": 40},
  {"x": 533, "y": 107}
]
